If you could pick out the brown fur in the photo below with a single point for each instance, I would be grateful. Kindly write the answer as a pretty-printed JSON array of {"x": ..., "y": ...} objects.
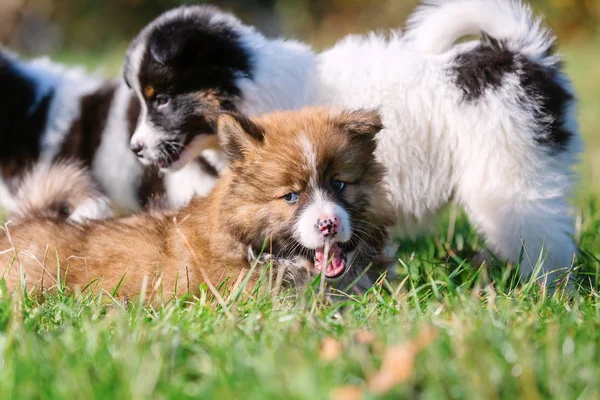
[
  {"x": 209, "y": 103},
  {"x": 149, "y": 91},
  {"x": 230, "y": 224}
]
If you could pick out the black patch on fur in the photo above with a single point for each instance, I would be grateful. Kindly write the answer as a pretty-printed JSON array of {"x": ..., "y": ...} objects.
[
  {"x": 485, "y": 67},
  {"x": 548, "y": 101},
  {"x": 207, "y": 167},
  {"x": 152, "y": 188},
  {"x": 22, "y": 119},
  {"x": 133, "y": 113},
  {"x": 482, "y": 68},
  {"x": 60, "y": 210},
  {"x": 85, "y": 135}
]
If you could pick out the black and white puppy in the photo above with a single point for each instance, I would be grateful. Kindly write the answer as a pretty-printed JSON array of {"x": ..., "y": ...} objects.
[
  {"x": 50, "y": 112},
  {"x": 189, "y": 64},
  {"x": 489, "y": 123}
]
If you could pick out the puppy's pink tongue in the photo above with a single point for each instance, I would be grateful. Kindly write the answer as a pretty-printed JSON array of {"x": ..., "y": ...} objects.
[{"x": 337, "y": 264}]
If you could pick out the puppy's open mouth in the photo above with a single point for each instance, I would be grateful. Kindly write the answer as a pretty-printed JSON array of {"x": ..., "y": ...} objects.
[{"x": 335, "y": 265}]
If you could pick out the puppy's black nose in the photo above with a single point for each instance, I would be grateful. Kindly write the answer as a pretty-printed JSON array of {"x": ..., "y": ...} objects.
[{"x": 137, "y": 148}]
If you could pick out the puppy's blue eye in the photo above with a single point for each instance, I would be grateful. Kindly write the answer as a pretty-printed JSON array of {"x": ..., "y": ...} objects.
[
  {"x": 338, "y": 185},
  {"x": 291, "y": 197}
]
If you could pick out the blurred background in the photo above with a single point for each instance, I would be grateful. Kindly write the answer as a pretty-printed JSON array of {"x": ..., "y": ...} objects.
[
  {"x": 99, "y": 26},
  {"x": 95, "y": 33}
]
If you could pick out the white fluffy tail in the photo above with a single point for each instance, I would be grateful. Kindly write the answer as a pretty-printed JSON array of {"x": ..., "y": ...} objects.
[
  {"x": 437, "y": 24},
  {"x": 60, "y": 191}
]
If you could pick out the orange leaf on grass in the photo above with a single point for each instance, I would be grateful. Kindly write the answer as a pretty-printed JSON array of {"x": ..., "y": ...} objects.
[
  {"x": 349, "y": 392},
  {"x": 330, "y": 349},
  {"x": 399, "y": 362}
]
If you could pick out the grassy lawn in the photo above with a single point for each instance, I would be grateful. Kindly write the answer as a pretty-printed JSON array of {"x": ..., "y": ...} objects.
[{"x": 446, "y": 330}]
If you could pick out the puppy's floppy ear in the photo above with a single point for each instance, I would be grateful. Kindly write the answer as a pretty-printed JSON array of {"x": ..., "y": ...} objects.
[
  {"x": 238, "y": 135},
  {"x": 365, "y": 123}
]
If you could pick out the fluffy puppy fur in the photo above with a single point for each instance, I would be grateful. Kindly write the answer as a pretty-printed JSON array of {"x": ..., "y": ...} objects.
[
  {"x": 60, "y": 191},
  {"x": 303, "y": 180},
  {"x": 49, "y": 112},
  {"x": 489, "y": 123}
]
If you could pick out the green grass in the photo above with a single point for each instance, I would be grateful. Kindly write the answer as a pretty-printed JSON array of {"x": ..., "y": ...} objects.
[
  {"x": 487, "y": 335},
  {"x": 487, "y": 341}
]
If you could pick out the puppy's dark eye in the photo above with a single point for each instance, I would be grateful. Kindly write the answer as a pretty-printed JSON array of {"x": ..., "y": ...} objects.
[
  {"x": 338, "y": 185},
  {"x": 162, "y": 100},
  {"x": 291, "y": 197}
]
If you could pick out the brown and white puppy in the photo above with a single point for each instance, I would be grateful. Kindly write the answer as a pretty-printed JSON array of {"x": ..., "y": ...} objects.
[{"x": 298, "y": 179}]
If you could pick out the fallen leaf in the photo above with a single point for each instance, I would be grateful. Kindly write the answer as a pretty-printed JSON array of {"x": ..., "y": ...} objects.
[
  {"x": 330, "y": 349},
  {"x": 349, "y": 392},
  {"x": 398, "y": 362}
]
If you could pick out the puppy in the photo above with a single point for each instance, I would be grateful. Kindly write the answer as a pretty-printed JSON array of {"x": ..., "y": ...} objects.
[
  {"x": 303, "y": 180},
  {"x": 50, "y": 112},
  {"x": 489, "y": 123}
]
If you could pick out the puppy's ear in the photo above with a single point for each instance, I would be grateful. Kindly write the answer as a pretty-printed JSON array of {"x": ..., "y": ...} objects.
[
  {"x": 238, "y": 135},
  {"x": 364, "y": 123}
]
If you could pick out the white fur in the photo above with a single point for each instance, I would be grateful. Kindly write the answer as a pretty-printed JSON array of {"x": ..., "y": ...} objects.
[
  {"x": 114, "y": 165},
  {"x": 91, "y": 209},
  {"x": 186, "y": 183},
  {"x": 7, "y": 198},
  {"x": 67, "y": 182},
  {"x": 436, "y": 25},
  {"x": 216, "y": 158},
  {"x": 320, "y": 207},
  {"x": 281, "y": 70},
  {"x": 310, "y": 156},
  {"x": 150, "y": 137}
]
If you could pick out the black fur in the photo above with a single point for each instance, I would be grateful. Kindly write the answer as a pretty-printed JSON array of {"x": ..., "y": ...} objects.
[
  {"x": 22, "y": 119},
  {"x": 482, "y": 68},
  {"x": 551, "y": 100},
  {"x": 188, "y": 55},
  {"x": 485, "y": 67},
  {"x": 133, "y": 113},
  {"x": 207, "y": 167},
  {"x": 85, "y": 135}
]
